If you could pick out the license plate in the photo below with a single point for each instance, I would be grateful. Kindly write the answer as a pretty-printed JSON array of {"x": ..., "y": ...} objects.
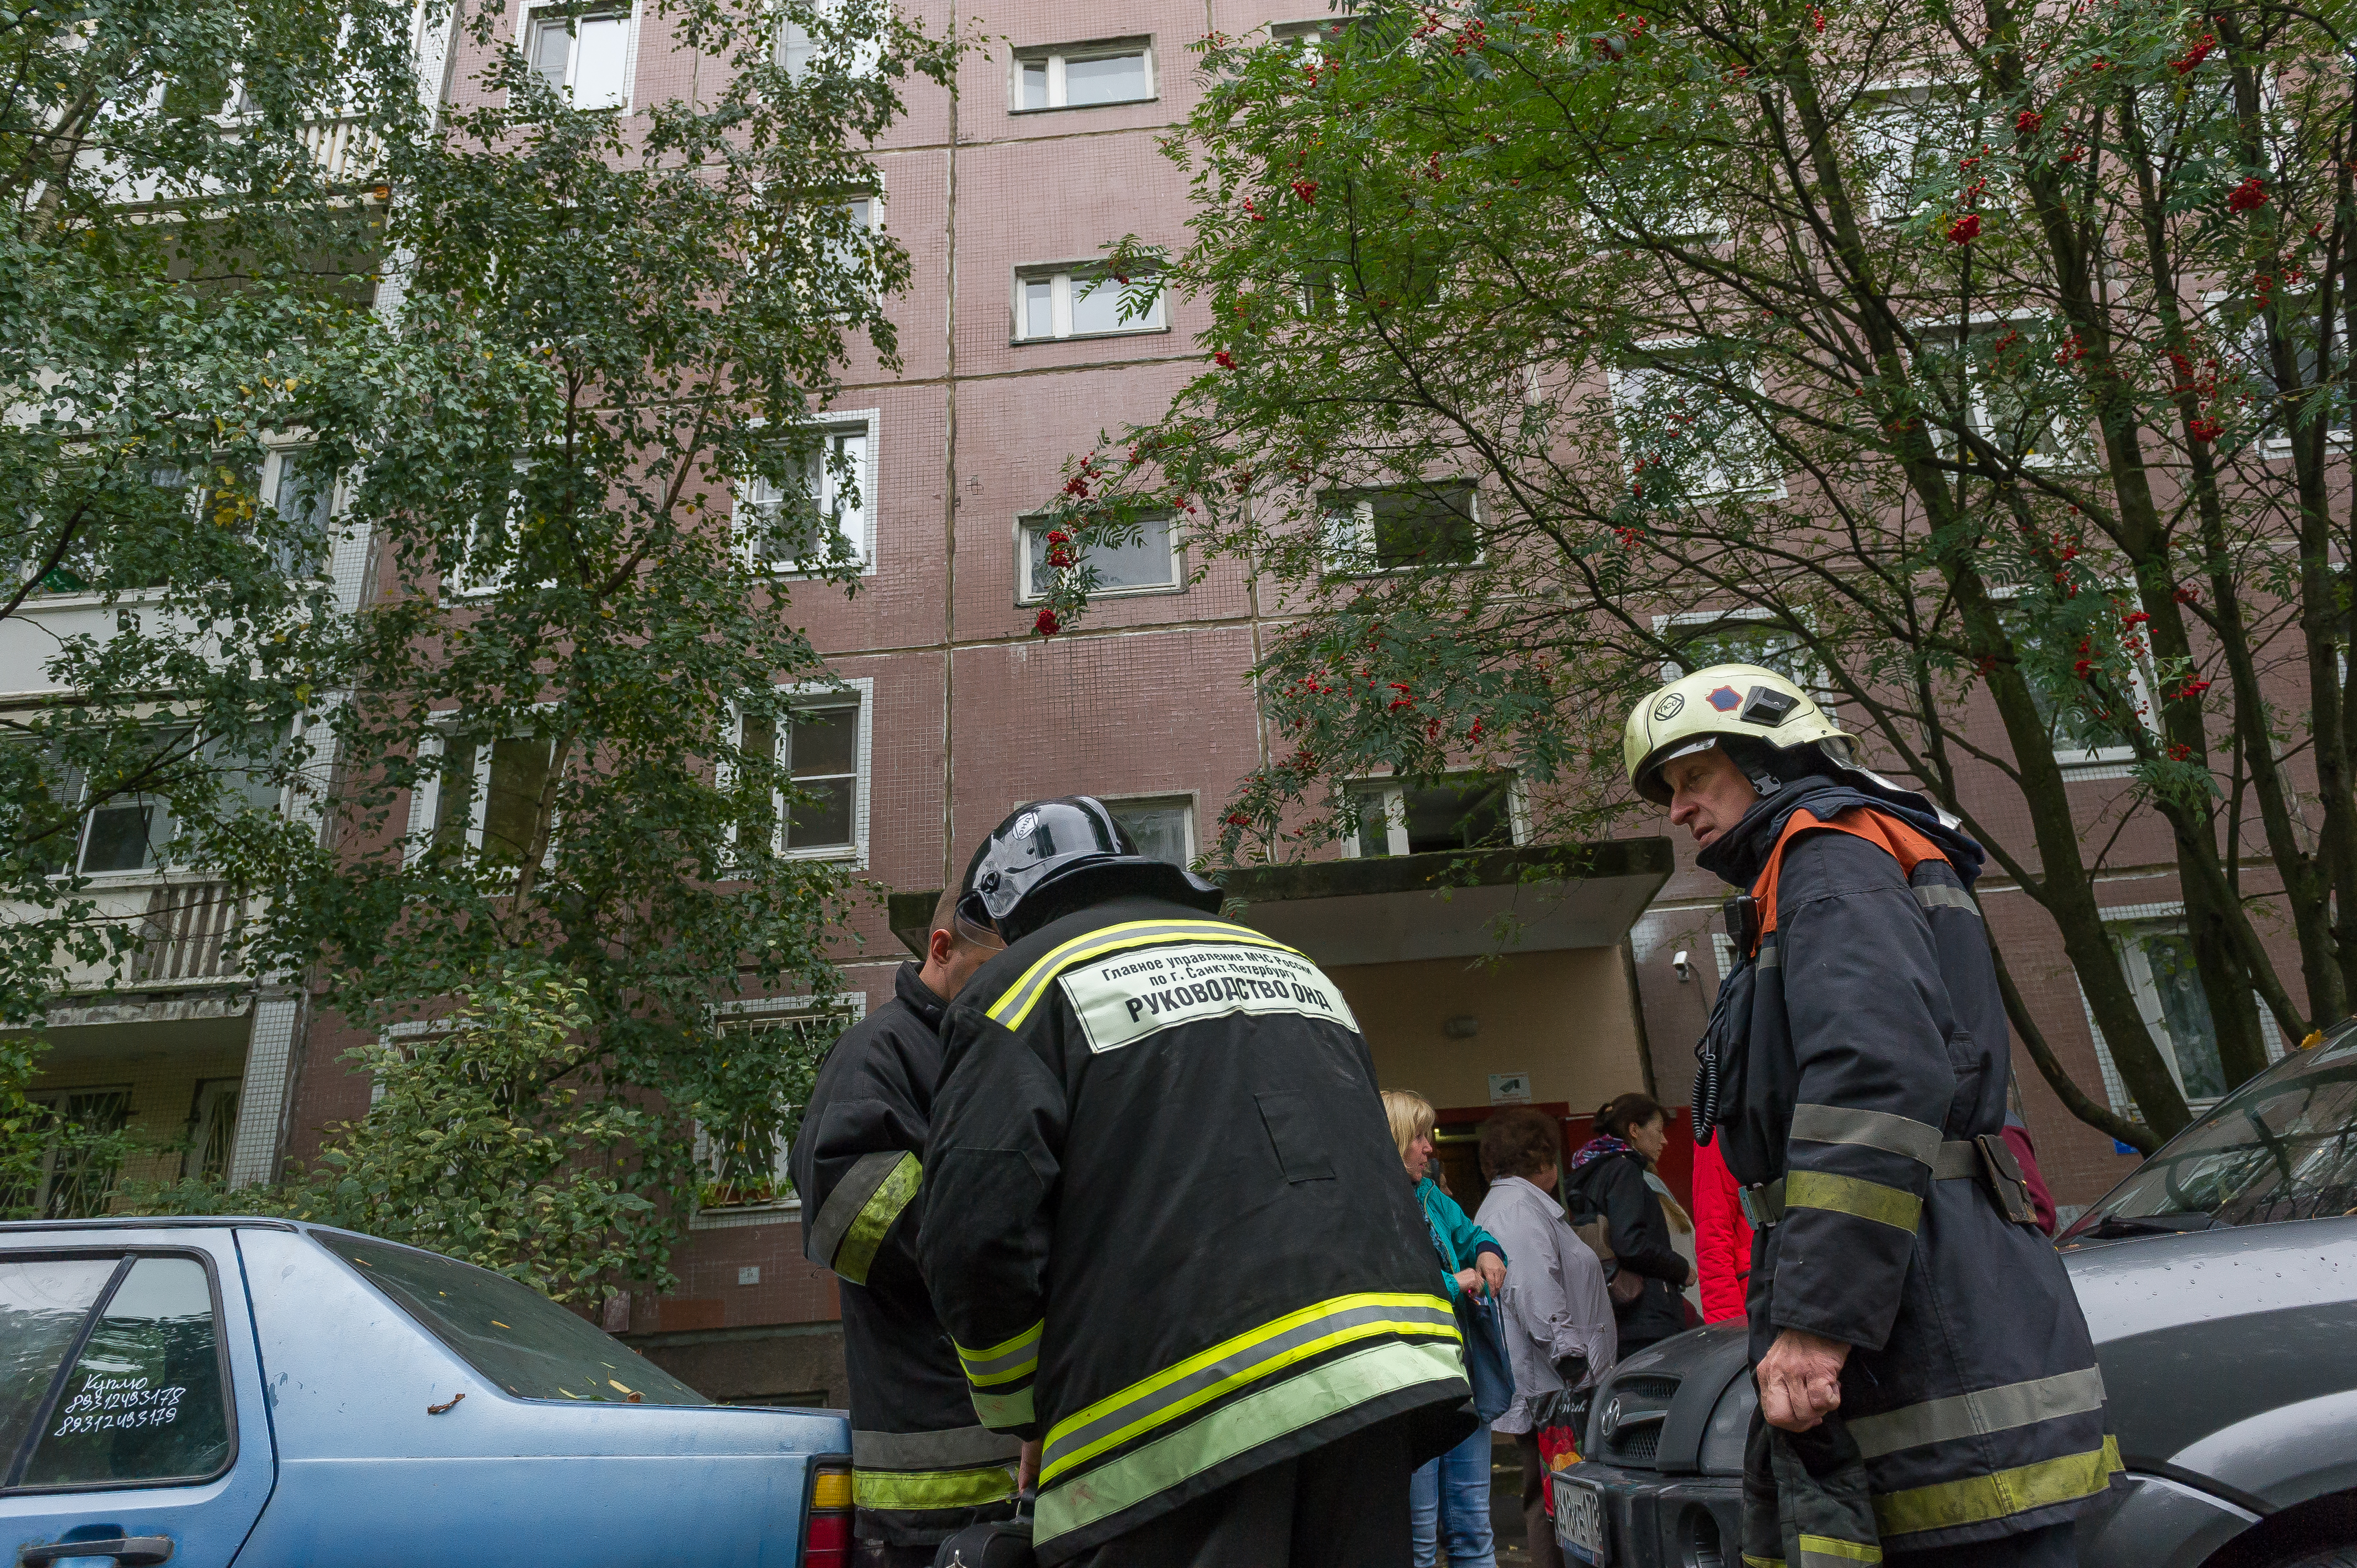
[{"x": 1579, "y": 1519}]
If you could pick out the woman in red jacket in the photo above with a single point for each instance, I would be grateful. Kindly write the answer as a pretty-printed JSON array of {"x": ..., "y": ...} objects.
[{"x": 1722, "y": 1238}]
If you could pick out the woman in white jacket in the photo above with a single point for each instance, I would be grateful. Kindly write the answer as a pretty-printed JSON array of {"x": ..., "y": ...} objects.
[{"x": 1559, "y": 1326}]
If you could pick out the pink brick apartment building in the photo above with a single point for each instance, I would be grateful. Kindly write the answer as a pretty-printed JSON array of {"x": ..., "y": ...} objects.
[{"x": 1004, "y": 196}]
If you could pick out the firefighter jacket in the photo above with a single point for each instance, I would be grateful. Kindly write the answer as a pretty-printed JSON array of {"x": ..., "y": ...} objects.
[
  {"x": 1164, "y": 1221},
  {"x": 923, "y": 1467},
  {"x": 1859, "y": 1049}
]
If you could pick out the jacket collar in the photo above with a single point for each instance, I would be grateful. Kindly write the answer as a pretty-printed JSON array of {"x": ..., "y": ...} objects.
[
  {"x": 917, "y": 997},
  {"x": 1740, "y": 854}
]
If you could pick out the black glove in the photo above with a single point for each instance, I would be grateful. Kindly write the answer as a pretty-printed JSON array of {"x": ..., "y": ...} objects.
[{"x": 1571, "y": 1368}]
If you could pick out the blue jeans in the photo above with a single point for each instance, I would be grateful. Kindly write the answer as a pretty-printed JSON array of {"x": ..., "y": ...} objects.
[{"x": 1448, "y": 1504}]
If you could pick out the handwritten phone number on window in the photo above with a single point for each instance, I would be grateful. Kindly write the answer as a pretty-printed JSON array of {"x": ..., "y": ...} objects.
[
  {"x": 93, "y": 1404},
  {"x": 118, "y": 1420}
]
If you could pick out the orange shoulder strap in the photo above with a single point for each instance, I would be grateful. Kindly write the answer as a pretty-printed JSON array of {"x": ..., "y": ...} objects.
[{"x": 1904, "y": 844}]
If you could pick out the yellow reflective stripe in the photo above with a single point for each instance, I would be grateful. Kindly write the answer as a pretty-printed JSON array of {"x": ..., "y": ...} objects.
[
  {"x": 1015, "y": 1003},
  {"x": 1816, "y": 1549},
  {"x": 1260, "y": 1417},
  {"x": 1751, "y": 1561},
  {"x": 913, "y": 1491},
  {"x": 1003, "y": 1363},
  {"x": 1977, "y": 1499},
  {"x": 1999, "y": 1409},
  {"x": 1850, "y": 1195},
  {"x": 869, "y": 1226},
  {"x": 1233, "y": 1363},
  {"x": 1002, "y": 1413}
]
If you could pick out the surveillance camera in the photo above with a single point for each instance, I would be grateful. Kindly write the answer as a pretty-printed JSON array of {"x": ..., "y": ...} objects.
[{"x": 1685, "y": 970}]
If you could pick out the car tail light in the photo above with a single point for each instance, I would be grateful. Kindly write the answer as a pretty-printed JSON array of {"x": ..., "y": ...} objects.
[{"x": 826, "y": 1529}]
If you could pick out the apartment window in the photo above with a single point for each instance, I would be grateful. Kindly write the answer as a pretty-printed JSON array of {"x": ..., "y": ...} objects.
[
  {"x": 1681, "y": 426},
  {"x": 1909, "y": 143},
  {"x": 2156, "y": 958},
  {"x": 302, "y": 491},
  {"x": 1398, "y": 528},
  {"x": 2082, "y": 743},
  {"x": 1706, "y": 637},
  {"x": 2015, "y": 396},
  {"x": 801, "y": 50},
  {"x": 1400, "y": 817},
  {"x": 1079, "y": 302},
  {"x": 1080, "y": 76},
  {"x": 742, "y": 1165},
  {"x": 586, "y": 57},
  {"x": 1144, "y": 563},
  {"x": 127, "y": 832},
  {"x": 487, "y": 798},
  {"x": 1162, "y": 827},
  {"x": 1312, "y": 37},
  {"x": 822, "y": 516},
  {"x": 212, "y": 1129},
  {"x": 74, "y": 1178},
  {"x": 822, "y": 747},
  {"x": 2320, "y": 390}
]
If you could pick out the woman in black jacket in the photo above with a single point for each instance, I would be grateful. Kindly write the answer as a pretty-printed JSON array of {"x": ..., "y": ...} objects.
[{"x": 1608, "y": 1177}]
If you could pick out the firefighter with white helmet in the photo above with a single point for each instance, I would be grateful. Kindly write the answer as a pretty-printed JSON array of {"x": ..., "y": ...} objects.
[{"x": 1911, "y": 1332}]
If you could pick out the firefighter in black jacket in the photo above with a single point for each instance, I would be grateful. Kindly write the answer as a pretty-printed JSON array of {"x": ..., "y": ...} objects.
[
  {"x": 921, "y": 1466},
  {"x": 1165, "y": 1225},
  {"x": 1856, "y": 1071}
]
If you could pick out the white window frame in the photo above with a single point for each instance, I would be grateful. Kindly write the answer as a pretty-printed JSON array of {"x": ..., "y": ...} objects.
[
  {"x": 866, "y": 57},
  {"x": 464, "y": 582},
  {"x": 2070, "y": 451},
  {"x": 1057, "y": 56},
  {"x": 744, "y": 503},
  {"x": 276, "y": 458},
  {"x": 1183, "y": 802},
  {"x": 1391, "y": 789},
  {"x": 1619, "y": 381},
  {"x": 1902, "y": 103},
  {"x": 2148, "y": 999},
  {"x": 822, "y": 694},
  {"x": 1058, "y": 276},
  {"x": 1312, "y": 35},
  {"x": 1028, "y": 591},
  {"x": 2099, "y": 762},
  {"x": 745, "y": 1013},
  {"x": 1348, "y": 547},
  {"x": 426, "y": 795},
  {"x": 1671, "y": 670},
  {"x": 527, "y": 19}
]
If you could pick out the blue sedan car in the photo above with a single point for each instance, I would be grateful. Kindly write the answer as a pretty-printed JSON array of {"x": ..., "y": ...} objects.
[{"x": 209, "y": 1392}]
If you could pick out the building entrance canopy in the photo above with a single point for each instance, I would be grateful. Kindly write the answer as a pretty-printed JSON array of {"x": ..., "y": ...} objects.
[{"x": 1402, "y": 907}]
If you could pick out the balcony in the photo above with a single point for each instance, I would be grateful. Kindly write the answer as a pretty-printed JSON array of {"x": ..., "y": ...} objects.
[{"x": 188, "y": 935}]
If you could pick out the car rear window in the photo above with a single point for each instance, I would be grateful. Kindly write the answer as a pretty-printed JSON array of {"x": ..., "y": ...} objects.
[
  {"x": 43, "y": 1304},
  {"x": 515, "y": 1336}
]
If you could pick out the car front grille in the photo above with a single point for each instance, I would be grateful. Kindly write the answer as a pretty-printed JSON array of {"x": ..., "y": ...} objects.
[{"x": 1630, "y": 1417}]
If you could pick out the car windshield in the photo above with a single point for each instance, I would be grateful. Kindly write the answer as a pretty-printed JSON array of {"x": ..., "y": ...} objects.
[
  {"x": 509, "y": 1332},
  {"x": 2282, "y": 1146}
]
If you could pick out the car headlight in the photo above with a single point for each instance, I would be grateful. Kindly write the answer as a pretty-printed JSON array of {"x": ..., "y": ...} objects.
[{"x": 1730, "y": 1424}]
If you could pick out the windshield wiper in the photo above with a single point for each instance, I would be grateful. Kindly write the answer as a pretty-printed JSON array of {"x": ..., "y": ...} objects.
[{"x": 2116, "y": 1225}]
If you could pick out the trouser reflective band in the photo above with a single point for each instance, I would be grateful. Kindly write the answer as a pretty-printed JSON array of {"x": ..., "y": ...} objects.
[
  {"x": 1977, "y": 1499},
  {"x": 1751, "y": 1561},
  {"x": 1261, "y": 1416},
  {"x": 1827, "y": 1552},
  {"x": 1999, "y": 1409},
  {"x": 860, "y": 1211},
  {"x": 1237, "y": 1363},
  {"x": 916, "y": 1491}
]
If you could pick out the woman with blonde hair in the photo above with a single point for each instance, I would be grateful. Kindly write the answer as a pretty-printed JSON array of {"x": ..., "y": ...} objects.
[{"x": 1449, "y": 1497}]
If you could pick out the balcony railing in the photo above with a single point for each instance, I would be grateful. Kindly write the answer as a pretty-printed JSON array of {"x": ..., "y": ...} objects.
[{"x": 187, "y": 934}]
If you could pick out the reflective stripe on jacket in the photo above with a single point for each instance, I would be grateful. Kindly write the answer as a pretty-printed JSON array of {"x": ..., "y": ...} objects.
[
  {"x": 1164, "y": 1223},
  {"x": 922, "y": 1466},
  {"x": 1860, "y": 1049}
]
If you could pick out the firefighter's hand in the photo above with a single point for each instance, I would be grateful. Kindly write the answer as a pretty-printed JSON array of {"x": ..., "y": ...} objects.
[
  {"x": 1800, "y": 1380},
  {"x": 1027, "y": 1469}
]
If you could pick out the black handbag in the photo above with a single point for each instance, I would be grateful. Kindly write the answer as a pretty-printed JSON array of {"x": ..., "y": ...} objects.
[
  {"x": 996, "y": 1543},
  {"x": 1488, "y": 1365}
]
